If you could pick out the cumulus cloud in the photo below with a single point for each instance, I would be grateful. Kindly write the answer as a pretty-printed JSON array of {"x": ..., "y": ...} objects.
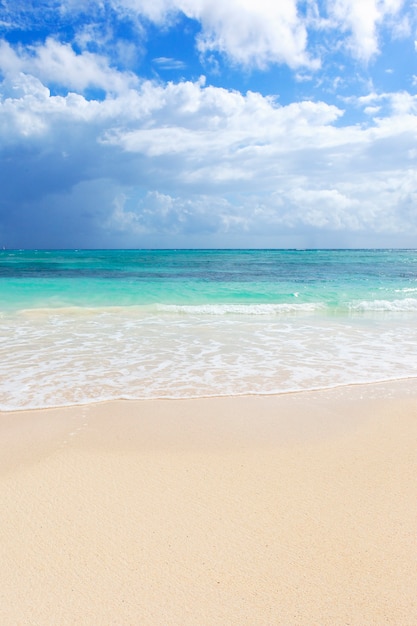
[
  {"x": 252, "y": 33},
  {"x": 363, "y": 18},
  {"x": 186, "y": 160},
  {"x": 246, "y": 33},
  {"x": 94, "y": 155},
  {"x": 58, "y": 64},
  {"x": 257, "y": 34}
]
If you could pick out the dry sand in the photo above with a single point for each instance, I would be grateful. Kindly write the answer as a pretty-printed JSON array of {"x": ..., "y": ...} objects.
[{"x": 296, "y": 509}]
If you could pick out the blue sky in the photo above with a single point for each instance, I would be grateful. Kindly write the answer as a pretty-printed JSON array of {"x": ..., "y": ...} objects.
[{"x": 204, "y": 123}]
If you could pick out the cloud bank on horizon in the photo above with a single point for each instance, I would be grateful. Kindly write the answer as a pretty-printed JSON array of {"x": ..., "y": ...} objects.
[{"x": 200, "y": 123}]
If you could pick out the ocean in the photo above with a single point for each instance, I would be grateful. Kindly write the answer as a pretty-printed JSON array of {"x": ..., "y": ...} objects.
[{"x": 82, "y": 326}]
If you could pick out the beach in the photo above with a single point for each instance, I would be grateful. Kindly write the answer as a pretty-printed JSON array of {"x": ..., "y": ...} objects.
[
  {"x": 174, "y": 324},
  {"x": 297, "y": 508}
]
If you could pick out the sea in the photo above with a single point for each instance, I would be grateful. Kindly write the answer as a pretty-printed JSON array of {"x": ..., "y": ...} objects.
[{"x": 84, "y": 326}]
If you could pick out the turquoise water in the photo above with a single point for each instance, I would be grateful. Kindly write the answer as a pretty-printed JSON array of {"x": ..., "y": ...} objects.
[
  {"x": 336, "y": 279},
  {"x": 81, "y": 326}
]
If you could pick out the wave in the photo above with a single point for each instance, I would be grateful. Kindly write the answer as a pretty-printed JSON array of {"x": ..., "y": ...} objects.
[
  {"x": 175, "y": 309},
  {"x": 75, "y": 310},
  {"x": 378, "y": 383},
  {"x": 240, "y": 309},
  {"x": 285, "y": 308},
  {"x": 404, "y": 305}
]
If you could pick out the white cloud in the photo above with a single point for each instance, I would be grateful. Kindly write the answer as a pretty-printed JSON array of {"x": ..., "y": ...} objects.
[
  {"x": 183, "y": 159},
  {"x": 168, "y": 215},
  {"x": 372, "y": 110},
  {"x": 193, "y": 120},
  {"x": 257, "y": 34},
  {"x": 252, "y": 34},
  {"x": 168, "y": 63},
  {"x": 248, "y": 33},
  {"x": 57, "y": 63},
  {"x": 363, "y": 18},
  {"x": 158, "y": 11}
]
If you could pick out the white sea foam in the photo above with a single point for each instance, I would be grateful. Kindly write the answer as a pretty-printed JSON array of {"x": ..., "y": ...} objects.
[
  {"x": 404, "y": 305},
  {"x": 242, "y": 309},
  {"x": 326, "y": 328},
  {"x": 221, "y": 310},
  {"x": 60, "y": 358}
]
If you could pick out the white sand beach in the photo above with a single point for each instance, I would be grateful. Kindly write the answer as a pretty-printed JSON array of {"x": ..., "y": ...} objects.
[{"x": 299, "y": 509}]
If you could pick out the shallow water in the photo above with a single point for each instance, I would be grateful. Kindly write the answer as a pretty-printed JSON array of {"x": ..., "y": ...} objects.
[{"x": 83, "y": 326}]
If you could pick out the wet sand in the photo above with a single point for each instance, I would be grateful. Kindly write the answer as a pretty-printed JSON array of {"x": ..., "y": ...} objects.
[{"x": 298, "y": 509}]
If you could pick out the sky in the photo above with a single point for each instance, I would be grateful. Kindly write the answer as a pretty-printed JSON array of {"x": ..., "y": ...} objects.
[{"x": 208, "y": 123}]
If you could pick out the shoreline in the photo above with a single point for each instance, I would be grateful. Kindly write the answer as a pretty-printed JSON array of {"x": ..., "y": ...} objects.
[
  {"x": 402, "y": 380},
  {"x": 298, "y": 508}
]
